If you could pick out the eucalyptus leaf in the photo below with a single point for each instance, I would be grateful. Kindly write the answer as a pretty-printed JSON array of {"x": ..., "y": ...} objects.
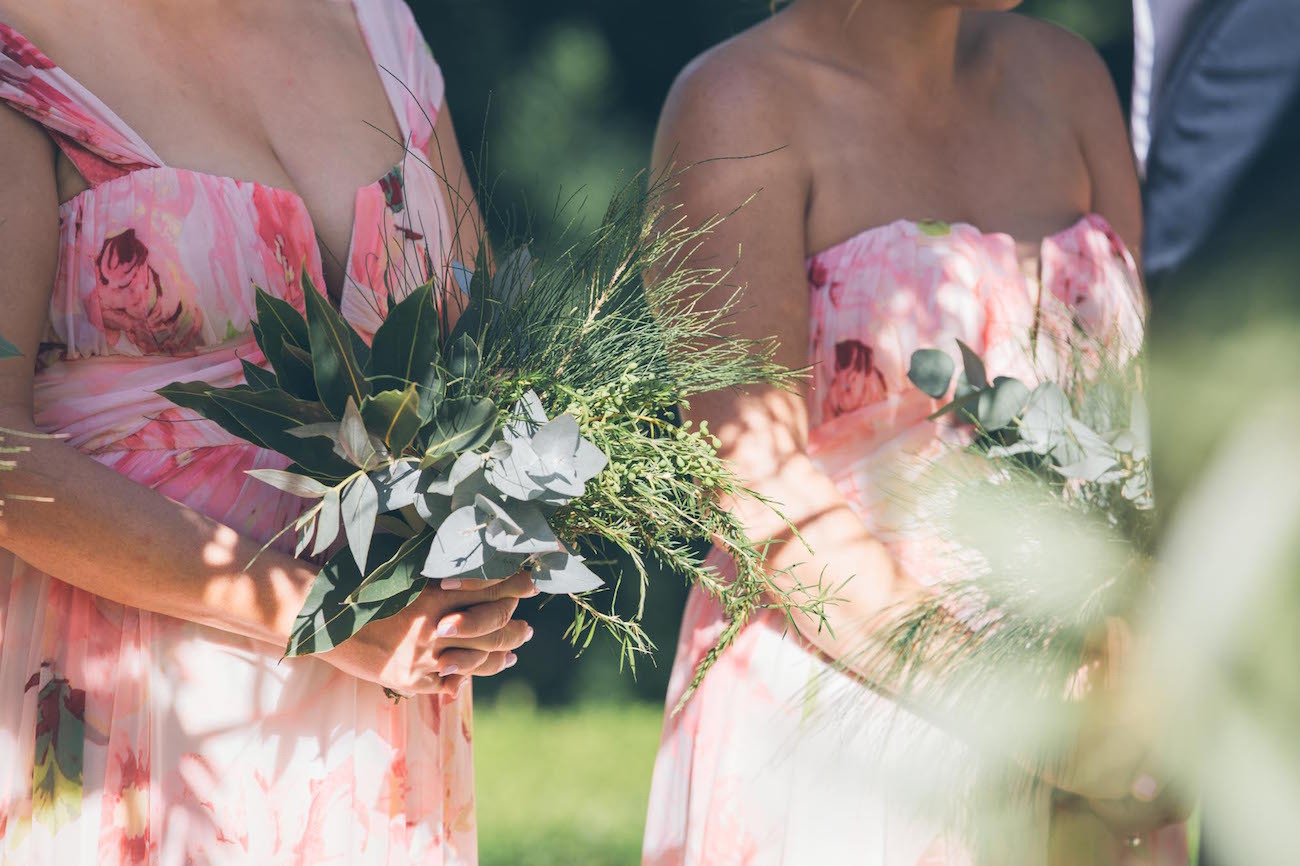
[
  {"x": 433, "y": 509},
  {"x": 290, "y": 482},
  {"x": 513, "y": 471},
  {"x": 465, "y": 466},
  {"x": 513, "y": 277},
  {"x": 526, "y": 417},
  {"x": 459, "y": 545},
  {"x": 355, "y": 442},
  {"x": 397, "y": 484},
  {"x": 1002, "y": 404},
  {"x": 932, "y": 371},
  {"x": 564, "y": 573},
  {"x": 520, "y": 529}
]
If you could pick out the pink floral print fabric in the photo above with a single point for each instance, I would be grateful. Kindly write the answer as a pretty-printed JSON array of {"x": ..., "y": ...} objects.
[
  {"x": 780, "y": 759},
  {"x": 131, "y": 738}
]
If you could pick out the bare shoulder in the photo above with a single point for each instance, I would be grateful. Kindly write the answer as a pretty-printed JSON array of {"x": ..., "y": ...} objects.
[
  {"x": 1058, "y": 66},
  {"x": 733, "y": 100}
]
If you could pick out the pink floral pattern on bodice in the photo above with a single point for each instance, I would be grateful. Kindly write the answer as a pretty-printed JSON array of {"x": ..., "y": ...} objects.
[{"x": 131, "y": 738}]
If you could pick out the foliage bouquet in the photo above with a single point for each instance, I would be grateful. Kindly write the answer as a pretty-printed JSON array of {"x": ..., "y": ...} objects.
[
  {"x": 537, "y": 430},
  {"x": 1041, "y": 519}
]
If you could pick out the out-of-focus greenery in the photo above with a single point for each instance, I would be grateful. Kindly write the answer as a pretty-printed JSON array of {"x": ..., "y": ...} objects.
[
  {"x": 555, "y": 105},
  {"x": 558, "y": 788}
]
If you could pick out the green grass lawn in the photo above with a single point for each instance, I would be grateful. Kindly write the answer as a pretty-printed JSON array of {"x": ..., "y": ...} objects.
[{"x": 563, "y": 788}]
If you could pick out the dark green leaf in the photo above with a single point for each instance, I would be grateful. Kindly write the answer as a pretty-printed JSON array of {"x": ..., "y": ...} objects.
[
  {"x": 278, "y": 324},
  {"x": 257, "y": 378},
  {"x": 932, "y": 371},
  {"x": 270, "y": 415},
  {"x": 328, "y": 618},
  {"x": 407, "y": 345},
  {"x": 333, "y": 354},
  {"x": 295, "y": 374},
  {"x": 975, "y": 373},
  {"x": 197, "y": 397},
  {"x": 399, "y": 574},
  {"x": 463, "y": 359},
  {"x": 393, "y": 416},
  {"x": 463, "y": 424}
]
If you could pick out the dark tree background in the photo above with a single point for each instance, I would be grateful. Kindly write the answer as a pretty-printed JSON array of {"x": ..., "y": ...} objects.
[{"x": 555, "y": 104}]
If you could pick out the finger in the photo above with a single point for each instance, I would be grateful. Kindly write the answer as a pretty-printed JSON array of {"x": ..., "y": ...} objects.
[
  {"x": 453, "y": 686},
  {"x": 466, "y": 584},
  {"x": 496, "y": 663},
  {"x": 512, "y": 637},
  {"x": 461, "y": 661},
  {"x": 519, "y": 586},
  {"x": 477, "y": 621}
]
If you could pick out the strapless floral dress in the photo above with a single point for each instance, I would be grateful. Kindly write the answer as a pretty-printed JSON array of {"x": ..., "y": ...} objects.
[
  {"x": 780, "y": 759},
  {"x": 131, "y": 738}
]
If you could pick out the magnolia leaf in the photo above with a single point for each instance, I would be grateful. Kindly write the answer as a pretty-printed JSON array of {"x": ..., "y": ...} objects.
[
  {"x": 197, "y": 397},
  {"x": 406, "y": 349},
  {"x": 360, "y": 508},
  {"x": 397, "y": 484},
  {"x": 1000, "y": 405},
  {"x": 330, "y": 430},
  {"x": 8, "y": 349},
  {"x": 399, "y": 574},
  {"x": 290, "y": 482},
  {"x": 257, "y": 378},
  {"x": 329, "y": 617},
  {"x": 463, "y": 359},
  {"x": 278, "y": 324},
  {"x": 328, "y": 523},
  {"x": 976, "y": 376},
  {"x": 394, "y": 525},
  {"x": 294, "y": 372},
  {"x": 355, "y": 442},
  {"x": 564, "y": 573},
  {"x": 337, "y": 370},
  {"x": 932, "y": 371},
  {"x": 393, "y": 416}
]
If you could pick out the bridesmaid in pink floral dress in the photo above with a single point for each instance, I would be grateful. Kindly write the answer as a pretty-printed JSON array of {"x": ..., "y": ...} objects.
[
  {"x": 867, "y": 112},
  {"x": 145, "y": 714}
]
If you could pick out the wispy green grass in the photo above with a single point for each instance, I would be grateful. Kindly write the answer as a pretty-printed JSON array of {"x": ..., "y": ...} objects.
[{"x": 563, "y": 788}]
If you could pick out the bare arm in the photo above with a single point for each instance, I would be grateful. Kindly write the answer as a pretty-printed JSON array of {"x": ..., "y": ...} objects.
[
  {"x": 764, "y": 430},
  {"x": 112, "y": 537}
]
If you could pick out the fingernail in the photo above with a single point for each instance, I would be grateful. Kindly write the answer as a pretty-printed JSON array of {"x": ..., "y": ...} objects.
[
  {"x": 528, "y": 635},
  {"x": 447, "y": 628},
  {"x": 449, "y": 670},
  {"x": 511, "y": 660},
  {"x": 452, "y": 583}
]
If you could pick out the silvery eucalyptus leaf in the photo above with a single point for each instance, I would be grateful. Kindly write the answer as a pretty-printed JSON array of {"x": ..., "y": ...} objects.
[
  {"x": 328, "y": 523},
  {"x": 515, "y": 473},
  {"x": 526, "y": 418},
  {"x": 465, "y": 466},
  {"x": 520, "y": 529},
  {"x": 398, "y": 484},
  {"x": 458, "y": 546},
  {"x": 564, "y": 573}
]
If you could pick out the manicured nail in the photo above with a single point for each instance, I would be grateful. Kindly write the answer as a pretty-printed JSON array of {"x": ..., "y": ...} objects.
[
  {"x": 447, "y": 628},
  {"x": 528, "y": 635},
  {"x": 452, "y": 583},
  {"x": 449, "y": 670},
  {"x": 511, "y": 660}
]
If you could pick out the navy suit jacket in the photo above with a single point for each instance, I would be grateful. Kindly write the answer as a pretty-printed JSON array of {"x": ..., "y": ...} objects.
[{"x": 1223, "y": 169}]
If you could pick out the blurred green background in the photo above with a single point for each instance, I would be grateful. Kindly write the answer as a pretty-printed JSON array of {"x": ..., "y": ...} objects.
[{"x": 555, "y": 105}]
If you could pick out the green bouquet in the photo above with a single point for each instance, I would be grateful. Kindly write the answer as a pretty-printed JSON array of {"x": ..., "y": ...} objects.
[{"x": 539, "y": 430}]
